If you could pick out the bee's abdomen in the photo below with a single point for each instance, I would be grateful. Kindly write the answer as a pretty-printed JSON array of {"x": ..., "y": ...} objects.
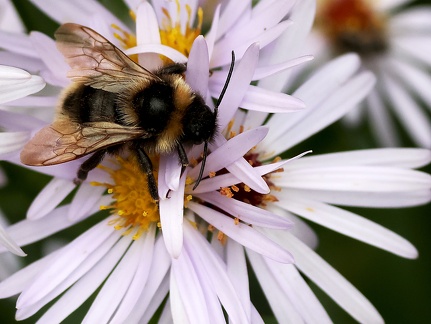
[{"x": 86, "y": 104}]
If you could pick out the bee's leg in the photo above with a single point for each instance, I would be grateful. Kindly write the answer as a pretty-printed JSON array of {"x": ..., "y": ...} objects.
[
  {"x": 92, "y": 162},
  {"x": 182, "y": 157},
  {"x": 147, "y": 167}
]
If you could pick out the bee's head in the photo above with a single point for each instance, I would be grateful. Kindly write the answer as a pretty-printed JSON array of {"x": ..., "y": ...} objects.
[{"x": 199, "y": 122}]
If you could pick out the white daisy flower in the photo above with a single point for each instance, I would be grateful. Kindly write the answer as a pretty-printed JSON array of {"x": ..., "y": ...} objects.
[
  {"x": 14, "y": 84},
  {"x": 392, "y": 40}
]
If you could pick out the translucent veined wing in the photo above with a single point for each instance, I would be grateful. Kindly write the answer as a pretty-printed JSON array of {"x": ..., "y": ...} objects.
[
  {"x": 97, "y": 62},
  {"x": 64, "y": 141}
]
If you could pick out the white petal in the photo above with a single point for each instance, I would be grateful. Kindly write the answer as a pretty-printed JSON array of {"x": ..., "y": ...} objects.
[
  {"x": 232, "y": 12},
  {"x": 156, "y": 289},
  {"x": 85, "y": 266},
  {"x": 349, "y": 224},
  {"x": 354, "y": 178},
  {"x": 241, "y": 233},
  {"x": 330, "y": 281},
  {"x": 139, "y": 280},
  {"x": 18, "y": 90},
  {"x": 30, "y": 231},
  {"x": 86, "y": 286},
  {"x": 169, "y": 174},
  {"x": 226, "y": 153},
  {"x": 246, "y": 212},
  {"x": 237, "y": 271},
  {"x": 171, "y": 219},
  {"x": 190, "y": 292},
  {"x": 49, "y": 198},
  {"x": 71, "y": 258},
  {"x": 409, "y": 113},
  {"x": 167, "y": 51},
  {"x": 198, "y": 66},
  {"x": 238, "y": 85},
  {"x": 415, "y": 19},
  {"x": 9, "y": 243},
  {"x": 278, "y": 300},
  {"x": 416, "y": 47},
  {"x": 211, "y": 35},
  {"x": 366, "y": 199},
  {"x": 202, "y": 254},
  {"x": 268, "y": 70},
  {"x": 388, "y": 5},
  {"x": 115, "y": 287},
  {"x": 85, "y": 200},
  {"x": 12, "y": 141},
  {"x": 334, "y": 107},
  {"x": 385, "y": 157}
]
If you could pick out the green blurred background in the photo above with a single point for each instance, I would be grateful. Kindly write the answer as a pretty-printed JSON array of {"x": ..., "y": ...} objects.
[{"x": 400, "y": 289}]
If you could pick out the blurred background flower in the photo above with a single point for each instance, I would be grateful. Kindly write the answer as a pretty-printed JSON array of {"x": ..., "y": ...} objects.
[
  {"x": 392, "y": 37},
  {"x": 320, "y": 144}
]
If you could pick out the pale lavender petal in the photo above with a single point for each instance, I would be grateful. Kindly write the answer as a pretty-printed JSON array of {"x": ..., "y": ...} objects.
[
  {"x": 415, "y": 46},
  {"x": 388, "y": 5},
  {"x": 367, "y": 199},
  {"x": 230, "y": 151},
  {"x": 354, "y": 178},
  {"x": 238, "y": 85},
  {"x": 237, "y": 270},
  {"x": 202, "y": 254},
  {"x": 88, "y": 265},
  {"x": 330, "y": 281},
  {"x": 85, "y": 200},
  {"x": 21, "y": 279},
  {"x": 268, "y": 70},
  {"x": 221, "y": 54},
  {"x": 178, "y": 309},
  {"x": 156, "y": 289},
  {"x": 171, "y": 219},
  {"x": 409, "y": 113},
  {"x": 349, "y": 224},
  {"x": 298, "y": 292},
  {"x": 232, "y": 12},
  {"x": 12, "y": 142},
  {"x": 333, "y": 108},
  {"x": 415, "y": 19},
  {"x": 30, "y": 231},
  {"x": 147, "y": 32},
  {"x": 49, "y": 54},
  {"x": 70, "y": 259},
  {"x": 169, "y": 174},
  {"x": 381, "y": 122},
  {"x": 17, "y": 43},
  {"x": 167, "y": 51},
  {"x": 139, "y": 280},
  {"x": 386, "y": 157},
  {"x": 243, "y": 234},
  {"x": 246, "y": 212},
  {"x": 282, "y": 307},
  {"x": 49, "y": 198},
  {"x": 86, "y": 286},
  {"x": 17, "y": 122},
  {"x": 190, "y": 295},
  {"x": 116, "y": 285},
  {"x": 198, "y": 66},
  {"x": 211, "y": 35},
  {"x": 9, "y": 244}
]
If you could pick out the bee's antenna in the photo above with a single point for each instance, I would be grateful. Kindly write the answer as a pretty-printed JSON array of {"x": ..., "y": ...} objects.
[
  {"x": 201, "y": 171},
  {"x": 229, "y": 75},
  {"x": 204, "y": 157}
]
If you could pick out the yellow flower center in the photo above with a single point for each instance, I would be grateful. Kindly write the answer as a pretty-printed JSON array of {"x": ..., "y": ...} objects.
[
  {"x": 352, "y": 25},
  {"x": 171, "y": 33},
  {"x": 132, "y": 203}
]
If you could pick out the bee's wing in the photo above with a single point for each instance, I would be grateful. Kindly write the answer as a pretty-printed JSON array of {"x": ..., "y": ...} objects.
[
  {"x": 97, "y": 62},
  {"x": 65, "y": 141}
]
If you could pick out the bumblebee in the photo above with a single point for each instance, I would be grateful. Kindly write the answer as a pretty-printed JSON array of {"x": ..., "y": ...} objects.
[{"x": 115, "y": 104}]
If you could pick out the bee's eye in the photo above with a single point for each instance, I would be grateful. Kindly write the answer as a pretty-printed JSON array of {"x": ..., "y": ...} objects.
[{"x": 154, "y": 106}]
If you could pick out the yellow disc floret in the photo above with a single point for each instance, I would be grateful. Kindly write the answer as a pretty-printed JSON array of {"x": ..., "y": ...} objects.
[{"x": 132, "y": 203}]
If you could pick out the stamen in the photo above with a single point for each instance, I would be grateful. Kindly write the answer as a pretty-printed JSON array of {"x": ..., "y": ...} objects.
[{"x": 132, "y": 202}]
